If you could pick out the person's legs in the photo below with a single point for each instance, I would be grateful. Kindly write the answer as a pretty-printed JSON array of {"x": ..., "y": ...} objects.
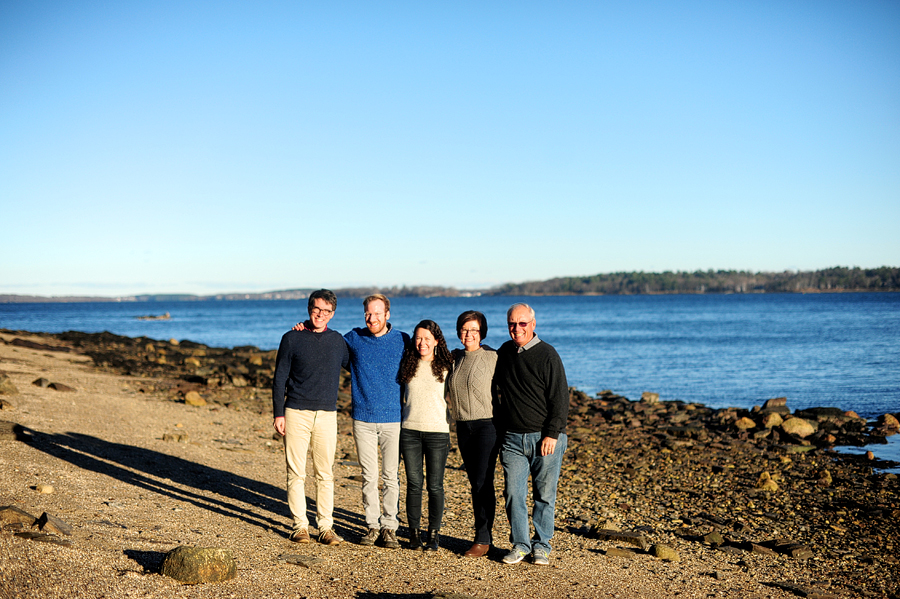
[
  {"x": 389, "y": 441},
  {"x": 515, "y": 455},
  {"x": 479, "y": 448},
  {"x": 545, "y": 477},
  {"x": 323, "y": 443},
  {"x": 437, "y": 446},
  {"x": 412, "y": 451},
  {"x": 297, "y": 429},
  {"x": 366, "y": 437}
]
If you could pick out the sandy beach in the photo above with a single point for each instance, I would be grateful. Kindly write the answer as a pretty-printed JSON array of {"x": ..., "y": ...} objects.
[{"x": 136, "y": 472}]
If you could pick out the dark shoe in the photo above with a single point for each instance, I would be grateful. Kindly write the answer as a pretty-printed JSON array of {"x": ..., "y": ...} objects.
[
  {"x": 477, "y": 550},
  {"x": 415, "y": 541},
  {"x": 432, "y": 543},
  {"x": 329, "y": 537},
  {"x": 301, "y": 535},
  {"x": 370, "y": 537},
  {"x": 388, "y": 539}
]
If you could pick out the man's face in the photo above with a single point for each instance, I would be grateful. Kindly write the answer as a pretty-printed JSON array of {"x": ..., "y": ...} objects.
[
  {"x": 377, "y": 317},
  {"x": 320, "y": 314},
  {"x": 518, "y": 333}
]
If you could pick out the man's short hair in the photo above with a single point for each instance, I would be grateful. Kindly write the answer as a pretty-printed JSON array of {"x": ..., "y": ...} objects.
[
  {"x": 469, "y": 316},
  {"x": 322, "y": 294},
  {"x": 519, "y": 305},
  {"x": 377, "y": 296}
]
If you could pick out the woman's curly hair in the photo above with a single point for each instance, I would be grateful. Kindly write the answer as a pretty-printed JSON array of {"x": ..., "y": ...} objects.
[{"x": 442, "y": 363}]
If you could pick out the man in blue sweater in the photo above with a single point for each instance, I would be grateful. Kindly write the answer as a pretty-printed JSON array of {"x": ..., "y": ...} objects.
[
  {"x": 304, "y": 402},
  {"x": 375, "y": 353}
]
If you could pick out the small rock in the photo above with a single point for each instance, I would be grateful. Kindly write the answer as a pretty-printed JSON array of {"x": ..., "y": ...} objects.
[
  {"x": 744, "y": 424},
  {"x": 12, "y": 515},
  {"x": 6, "y": 386},
  {"x": 41, "y": 382},
  {"x": 300, "y": 560},
  {"x": 61, "y": 387},
  {"x": 889, "y": 421},
  {"x": 798, "y": 426},
  {"x": 193, "y": 565},
  {"x": 649, "y": 397},
  {"x": 239, "y": 381},
  {"x": 632, "y": 538},
  {"x": 714, "y": 538},
  {"x": 5, "y": 405},
  {"x": 772, "y": 420},
  {"x": 765, "y": 483},
  {"x": 192, "y": 398},
  {"x": 870, "y": 455},
  {"x": 175, "y": 437},
  {"x": 665, "y": 552},
  {"x": 50, "y": 523},
  {"x": 44, "y": 489},
  {"x": 620, "y": 552}
]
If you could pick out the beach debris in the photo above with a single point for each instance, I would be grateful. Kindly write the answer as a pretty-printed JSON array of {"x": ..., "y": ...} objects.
[
  {"x": 41, "y": 382},
  {"x": 48, "y": 523},
  {"x": 196, "y": 565},
  {"x": 61, "y": 387},
  {"x": 6, "y": 386},
  {"x": 665, "y": 552},
  {"x": 307, "y": 561},
  {"x": 13, "y": 517}
]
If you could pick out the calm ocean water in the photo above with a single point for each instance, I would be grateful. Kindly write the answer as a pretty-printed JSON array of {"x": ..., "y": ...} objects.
[{"x": 838, "y": 350}]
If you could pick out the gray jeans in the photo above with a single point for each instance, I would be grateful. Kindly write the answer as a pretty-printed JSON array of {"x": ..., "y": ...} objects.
[{"x": 369, "y": 437}]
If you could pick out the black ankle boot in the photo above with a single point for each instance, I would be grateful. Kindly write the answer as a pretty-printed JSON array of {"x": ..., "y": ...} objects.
[
  {"x": 433, "y": 539},
  {"x": 415, "y": 541}
]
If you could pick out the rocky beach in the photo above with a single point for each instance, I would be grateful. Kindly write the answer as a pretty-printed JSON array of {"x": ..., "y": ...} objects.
[{"x": 115, "y": 451}]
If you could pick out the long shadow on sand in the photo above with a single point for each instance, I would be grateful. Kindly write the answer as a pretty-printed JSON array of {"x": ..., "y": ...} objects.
[{"x": 216, "y": 490}]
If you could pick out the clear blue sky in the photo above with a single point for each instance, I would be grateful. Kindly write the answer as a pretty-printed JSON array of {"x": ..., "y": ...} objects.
[{"x": 202, "y": 147}]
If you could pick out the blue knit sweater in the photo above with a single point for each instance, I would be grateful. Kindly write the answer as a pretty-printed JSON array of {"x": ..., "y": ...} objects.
[{"x": 374, "y": 364}]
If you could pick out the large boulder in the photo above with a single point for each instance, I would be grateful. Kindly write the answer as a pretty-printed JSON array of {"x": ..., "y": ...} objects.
[{"x": 194, "y": 565}]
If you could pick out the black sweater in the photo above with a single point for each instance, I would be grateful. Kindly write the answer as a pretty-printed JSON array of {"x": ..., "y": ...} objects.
[
  {"x": 308, "y": 371},
  {"x": 533, "y": 395}
]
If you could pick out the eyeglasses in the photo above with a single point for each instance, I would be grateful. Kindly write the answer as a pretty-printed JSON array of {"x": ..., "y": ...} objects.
[
  {"x": 513, "y": 325},
  {"x": 470, "y": 331},
  {"x": 321, "y": 311}
]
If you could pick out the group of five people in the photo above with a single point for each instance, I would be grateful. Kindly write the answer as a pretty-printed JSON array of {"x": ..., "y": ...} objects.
[{"x": 512, "y": 403}]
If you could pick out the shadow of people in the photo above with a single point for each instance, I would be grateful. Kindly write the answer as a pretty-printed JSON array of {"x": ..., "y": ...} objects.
[{"x": 219, "y": 491}]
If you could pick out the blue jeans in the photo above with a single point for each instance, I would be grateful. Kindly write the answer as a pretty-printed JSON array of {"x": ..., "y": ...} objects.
[
  {"x": 520, "y": 455},
  {"x": 432, "y": 448}
]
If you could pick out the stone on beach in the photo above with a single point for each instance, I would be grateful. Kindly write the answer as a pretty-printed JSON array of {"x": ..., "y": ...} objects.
[
  {"x": 61, "y": 387},
  {"x": 49, "y": 523},
  {"x": 41, "y": 382},
  {"x": 798, "y": 426},
  {"x": 192, "y": 398},
  {"x": 665, "y": 552},
  {"x": 6, "y": 386},
  {"x": 194, "y": 565},
  {"x": 10, "y": 514},
  {"x": 744, "y": 424}
]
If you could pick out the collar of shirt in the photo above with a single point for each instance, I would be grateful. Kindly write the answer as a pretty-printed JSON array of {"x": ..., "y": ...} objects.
[{"x": 534, "y": 341}]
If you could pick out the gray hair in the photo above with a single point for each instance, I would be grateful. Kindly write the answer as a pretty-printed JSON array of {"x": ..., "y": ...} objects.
[{"x": 519, "y": 305}]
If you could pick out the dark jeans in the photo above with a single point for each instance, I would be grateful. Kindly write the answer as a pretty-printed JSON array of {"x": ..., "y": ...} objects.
[
  {"x": 432, "y": 448},
  {"x": 478, "y": 445}
]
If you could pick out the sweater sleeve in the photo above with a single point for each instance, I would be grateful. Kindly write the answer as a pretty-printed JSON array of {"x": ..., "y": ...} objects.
[
  {"x": 282, "y": 372},
  {"x": 557, "y": 398}
]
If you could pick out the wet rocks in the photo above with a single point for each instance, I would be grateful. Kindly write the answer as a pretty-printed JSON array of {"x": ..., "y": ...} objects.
[{"x": 195, "y": 565}]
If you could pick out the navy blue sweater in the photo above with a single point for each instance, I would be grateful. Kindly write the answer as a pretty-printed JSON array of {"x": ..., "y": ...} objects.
[{"x": 308, "y": 371}]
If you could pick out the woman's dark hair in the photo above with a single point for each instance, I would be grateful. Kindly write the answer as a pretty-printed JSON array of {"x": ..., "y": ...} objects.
[
  {"x": 410, "y": 361},
  {"x": 468, "y": 316}
]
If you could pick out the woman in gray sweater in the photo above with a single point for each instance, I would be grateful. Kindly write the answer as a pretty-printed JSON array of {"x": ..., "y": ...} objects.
[{"x": 470, "y": 391}]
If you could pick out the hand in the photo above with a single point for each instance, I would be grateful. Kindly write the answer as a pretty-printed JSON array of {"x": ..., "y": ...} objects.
[
  {"x": 548, "y": 444},
  {"x": 279, "y": 425},
  {"x": 298, "y": 327}
]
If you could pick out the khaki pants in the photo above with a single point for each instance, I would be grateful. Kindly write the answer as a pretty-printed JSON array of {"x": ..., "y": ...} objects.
[{"x": 315, "y": 431}]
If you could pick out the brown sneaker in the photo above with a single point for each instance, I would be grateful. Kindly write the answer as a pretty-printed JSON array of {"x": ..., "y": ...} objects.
[
  {"x": 370, "y": 537},
  {"x": 301, "y": 535},
  {"x": 330, "y": 538},
  {"x": 388, "y": 539}
]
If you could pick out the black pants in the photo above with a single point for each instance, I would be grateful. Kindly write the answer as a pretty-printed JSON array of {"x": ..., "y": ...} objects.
[
  {"x": 432, "y": 448},
  {"x": 479, "y": 446}
]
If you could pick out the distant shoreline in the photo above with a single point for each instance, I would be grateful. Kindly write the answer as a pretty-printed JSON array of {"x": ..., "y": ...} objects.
[{"x": 838, "y": 279}]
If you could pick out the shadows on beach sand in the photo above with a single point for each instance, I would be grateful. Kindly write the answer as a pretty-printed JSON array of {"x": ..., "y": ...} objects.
[{"x": 216, "y": 490}]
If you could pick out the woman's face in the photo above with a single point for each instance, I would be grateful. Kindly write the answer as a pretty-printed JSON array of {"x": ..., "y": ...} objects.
[
  {"x": 470, "y": 335},
  {"x": 425, "y": 344}
]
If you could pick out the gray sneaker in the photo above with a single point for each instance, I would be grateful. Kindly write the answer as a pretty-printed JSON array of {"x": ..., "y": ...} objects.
[
  {"x": 388, "y": 539},
  {"x": 370, "y": 537},
  {"x": 514, "y": 556},
  {"x": 539, "y": 557}
]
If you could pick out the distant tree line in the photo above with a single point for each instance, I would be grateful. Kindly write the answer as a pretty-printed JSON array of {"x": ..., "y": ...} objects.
[{"x": 838, "y": 278}]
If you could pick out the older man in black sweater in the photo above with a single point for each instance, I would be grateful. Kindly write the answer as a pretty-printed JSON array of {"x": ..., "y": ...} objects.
[{"x": 532, "y": 406}]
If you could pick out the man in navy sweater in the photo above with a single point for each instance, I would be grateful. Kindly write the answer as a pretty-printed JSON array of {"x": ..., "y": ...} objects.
[
  {"x": 304, "y": 402},
  {"x": 532, "y": 406}
]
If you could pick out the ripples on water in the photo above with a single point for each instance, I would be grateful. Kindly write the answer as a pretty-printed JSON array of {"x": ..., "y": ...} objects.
[{"x": 838, "y": 350}]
